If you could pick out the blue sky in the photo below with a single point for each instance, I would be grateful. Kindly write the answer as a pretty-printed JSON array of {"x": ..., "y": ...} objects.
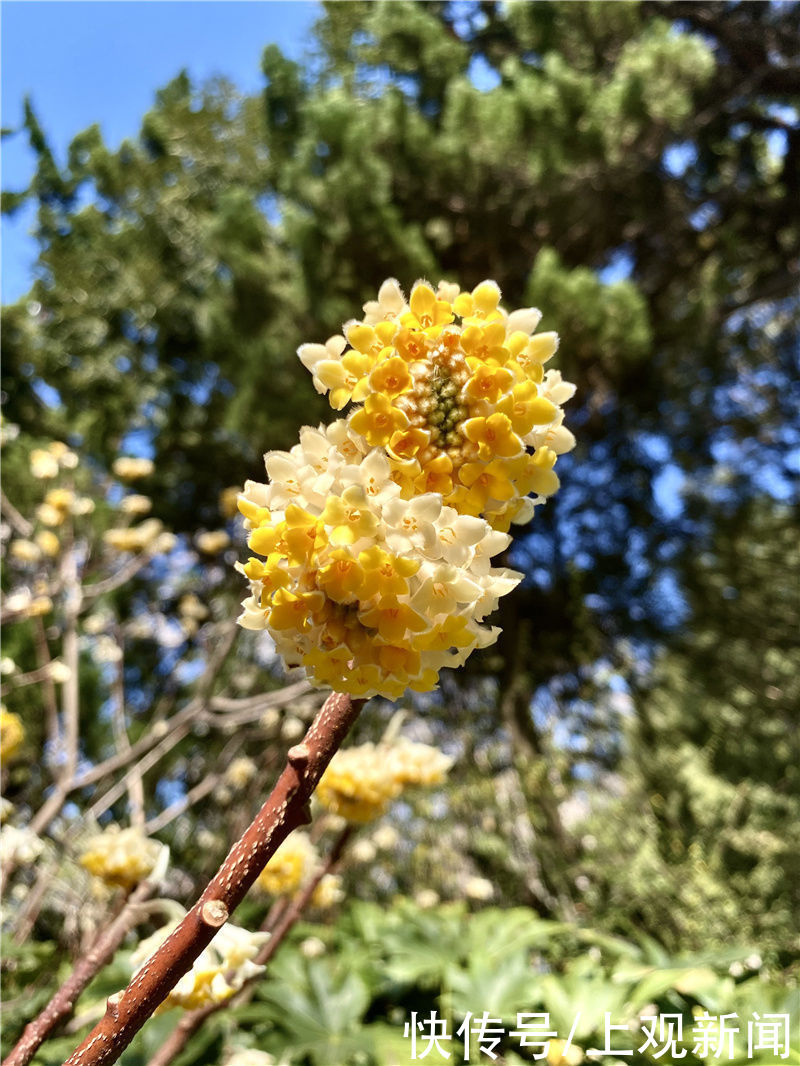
[{"x": 86, "y": 61}]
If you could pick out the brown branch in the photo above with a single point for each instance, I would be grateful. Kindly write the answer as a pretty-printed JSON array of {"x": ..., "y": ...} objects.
[
  {"x": 63, "y": 1003},
  {"x": 129, "y": 570},
  {"x": 135, "y": 784},
  {"x": 284, "y": 810},
  {"x": 69, "y": 697},
  {"x": 285, "y": 917},
  {"x": 16, "y": 520}
]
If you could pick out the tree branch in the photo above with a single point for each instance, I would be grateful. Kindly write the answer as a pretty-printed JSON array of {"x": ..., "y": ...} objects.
[{"x": 284, "y": 810}]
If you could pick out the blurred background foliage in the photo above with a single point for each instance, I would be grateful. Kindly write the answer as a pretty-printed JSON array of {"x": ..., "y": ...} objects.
[{"x": 628, "y": 756}]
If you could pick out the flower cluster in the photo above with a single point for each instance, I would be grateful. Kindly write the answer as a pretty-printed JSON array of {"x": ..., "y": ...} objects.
[
  {"x": 371, "y": 592},
  {"x": 132, "y": 468},
  {"x": 360, "y": 783},
  {"x": 47, "y": 462},
  {"x": 372, "y": 543},
  {"x": 12, "y": 734},
  {"x": 289, "y": 866},
  {"x": 149, "y": 536},
  {"x": 120, "y": 857},
  {"x": 218, "y": 972},
  {"x": 454, "y": 389}
]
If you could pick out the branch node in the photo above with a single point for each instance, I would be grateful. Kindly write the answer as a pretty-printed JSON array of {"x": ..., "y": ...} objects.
[
  {"x": 214, "y": 913},
  {"x": 112, "y": 1004},
  {"x": 298, "y": 756}
]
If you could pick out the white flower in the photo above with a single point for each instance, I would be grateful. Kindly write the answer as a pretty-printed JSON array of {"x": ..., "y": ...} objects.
[
  {"x": 426, "y": 898},
  {"x": 363, "y": 851},
  {"x": 478, "y": 888},
  {"x": 411, "y": 523},
  {"x": 311, "y": 355},
  {"x": 20, "y": 845},
  {"x": 218, "y": 972},
  {"x": 44, "y": 465},
  {"x": 443, "y": 588},
  {"x": 391, "y": 303},
  {"x": 456, "y": 536},
  {"x": 312, "y": 947},
  {"x": 386, "y": 837},
  {"x": 135, "y": 504},
  {"x": 59, "y": 672},
  {"x": 241, "y": 772},
  {"x": 210, "y": 543},
  {"x": 373, "y": 475},
  {"x": 525, "y": 319}
]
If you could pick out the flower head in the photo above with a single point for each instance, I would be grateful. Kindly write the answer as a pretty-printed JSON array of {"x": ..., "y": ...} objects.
[
  {"x": 120, "y": 856},
  {"x": 218, "y": 972},
  {"x": 289, "y": 866},
  {"x": 360, "y": 783},
  {"x": 132, "y": 468},
  {"x": 12, "y": 734},
  {"x": 344, "y": 571},
  {"x": 328, "y": 892},
  {"x": 371, "y": 543},
  {"x": 454, "y": 385}
]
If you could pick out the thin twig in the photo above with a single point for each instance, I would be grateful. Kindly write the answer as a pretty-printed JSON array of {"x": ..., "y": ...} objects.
[
  {"x": 175, "y": 810},
  {"x": 63, "y": 1003},
  {"x": 18, "y": 523},
  {"x": 134, "y": 782}
]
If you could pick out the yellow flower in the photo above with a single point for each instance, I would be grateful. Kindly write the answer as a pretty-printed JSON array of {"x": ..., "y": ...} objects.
[
  {"x": 134, "y": 538},
  {"x": 455, "y": 424},
  {"x": 217, "y": 973},
  {"x": 120, "y": 857},
  {"x": 481, "y": 305},
  {"x": 427, "y": 311},
  {"x": 293, "y": 611},
  {"x": 213, "y": 542},
  {"x": 135, "y": 504},
  {"x": 25, "y": 551},
  {"x": 328, "y": 892},
  {"x": 437, "y": 391},
  {"x": 378, "y": 420},
  {"x": 44, "y": 465},
  {"x": 385, "y": 575},
  {"x": 349, "y": 516},
  {"x": 289, "y": 867},
  {"x": 39, "y": 606},
  {"x": 494, "y": 436},
  {"x": 361, "y": 782},
  {"x": 228, "y": 500},
  {"x": 48, "y": 542},
  {"x": 394, "y": 619},
  {"x": 12, "y": 734},
  {"x": 132, "y": 468},
  {"x": 358, "y": 784},
  {"x": 391, "y": 378},
  {"x": 489, "y": 383},
  {"x": 342, "y": 578}
]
